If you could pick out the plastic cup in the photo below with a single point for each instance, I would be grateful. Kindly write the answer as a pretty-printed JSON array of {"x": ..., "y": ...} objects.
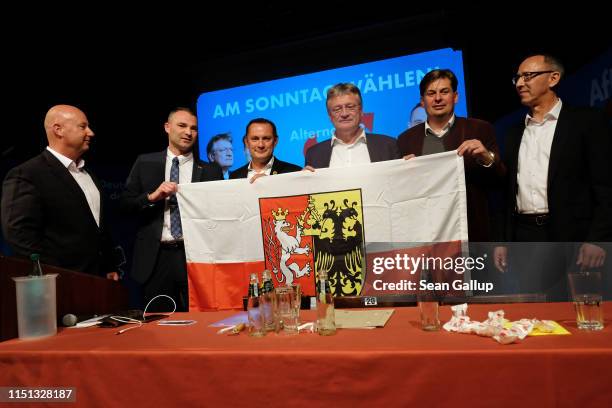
[{"x": 36, "y": 306}]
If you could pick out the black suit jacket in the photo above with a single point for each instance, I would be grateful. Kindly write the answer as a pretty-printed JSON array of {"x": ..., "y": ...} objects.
[
  {"x": 45, "y": 211},
  {"x": 148, "y": 172},
  {"x": 579, "y": 185},
  {"x": 479, "y": 180},
  {"x": 278, "y": 167},
  {"x": 380, "y": 148}
]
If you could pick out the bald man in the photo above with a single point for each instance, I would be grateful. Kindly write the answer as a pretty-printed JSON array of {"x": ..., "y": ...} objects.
[{"x": 51, "y": 205}]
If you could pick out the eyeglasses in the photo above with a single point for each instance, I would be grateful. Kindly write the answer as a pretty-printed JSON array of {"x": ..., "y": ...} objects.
[
  {"x": 224, "y": 150},
  {"x": 528, "y": 76},
  {"x": 351, "y": 107}
]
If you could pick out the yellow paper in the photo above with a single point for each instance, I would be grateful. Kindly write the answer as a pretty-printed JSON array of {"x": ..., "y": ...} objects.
[{"x": 558, "y": 330}]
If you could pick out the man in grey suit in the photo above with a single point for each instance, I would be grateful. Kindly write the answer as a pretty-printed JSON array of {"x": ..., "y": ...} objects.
[
  {"x": 159, "y": 262},
  {"x": 350, "y": 144}
]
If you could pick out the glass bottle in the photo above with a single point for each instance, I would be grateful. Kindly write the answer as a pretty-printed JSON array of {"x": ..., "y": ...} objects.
[
  {"x": 36, "y": 268},
  {"x": 326, "y": 319},
  {"x": 268, "y": 301},
  {"x": 256, "y": 324}
]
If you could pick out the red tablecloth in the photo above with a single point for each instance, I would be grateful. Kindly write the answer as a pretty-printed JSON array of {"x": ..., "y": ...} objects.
[{"x": 399, "y": 365}]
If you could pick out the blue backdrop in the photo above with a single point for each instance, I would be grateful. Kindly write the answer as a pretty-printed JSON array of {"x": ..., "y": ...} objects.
[{"x": 390, "y": 89}]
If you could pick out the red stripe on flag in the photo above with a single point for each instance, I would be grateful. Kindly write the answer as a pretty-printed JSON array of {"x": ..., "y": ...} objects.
[{"x": 220, "y": 286}]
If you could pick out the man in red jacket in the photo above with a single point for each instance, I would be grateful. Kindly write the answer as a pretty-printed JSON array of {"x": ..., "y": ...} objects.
[{"x": 473, "y": 139}]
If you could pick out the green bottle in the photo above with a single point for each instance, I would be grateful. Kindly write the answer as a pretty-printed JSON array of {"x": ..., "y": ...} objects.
[{"x": 36, "y": 269}]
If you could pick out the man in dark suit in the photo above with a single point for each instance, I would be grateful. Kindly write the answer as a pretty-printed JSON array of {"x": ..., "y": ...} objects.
[
  {"x": 350, "y": 144},
  {"x": 52, "y": 205},
  {"x": 472, "y": 138},
  {"x": 221, "y": 151},
  {"x": 559, "y": 187},
  {"x": 159, "y": 262},
  {"x": 261, "y": 138}
]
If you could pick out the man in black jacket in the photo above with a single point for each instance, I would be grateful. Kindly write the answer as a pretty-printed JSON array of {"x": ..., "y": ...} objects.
[
  {"x": 261, "y": 138},
  {"x": 52, "y": 205},
  {"x": 559, "y": 187},
  {"x": 159, "y": 262},
  {"x": 350, "y": 144}
]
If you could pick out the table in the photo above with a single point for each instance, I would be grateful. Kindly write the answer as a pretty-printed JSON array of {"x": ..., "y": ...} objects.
[{"x": 399, "y": 365}]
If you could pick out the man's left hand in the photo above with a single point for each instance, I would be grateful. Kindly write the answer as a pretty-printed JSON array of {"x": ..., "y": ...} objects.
[
  {"x": 590, "y": 256},
  {"x": 475, "y": 149}
]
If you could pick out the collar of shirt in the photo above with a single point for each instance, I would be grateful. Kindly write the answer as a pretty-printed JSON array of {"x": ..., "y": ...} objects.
[
  {"x": 66, "y": 161},
  {"x": 552, "y": 114},
  {"x": 267, "y": 167},
  {"x": 182, "y": 158},
  {"x": 445, "y": 129},
  {"x": 360, "y": 139}
]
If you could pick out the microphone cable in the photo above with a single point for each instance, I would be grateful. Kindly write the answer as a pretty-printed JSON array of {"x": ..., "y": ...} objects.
[{"x": 129, "y": 320}]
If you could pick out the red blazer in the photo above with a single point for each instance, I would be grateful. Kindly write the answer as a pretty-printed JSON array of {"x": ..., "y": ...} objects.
[{"x": 479, "y": 180}]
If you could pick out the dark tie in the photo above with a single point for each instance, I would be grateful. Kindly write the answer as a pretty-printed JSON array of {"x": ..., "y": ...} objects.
[{"x": 175, "y": 216}]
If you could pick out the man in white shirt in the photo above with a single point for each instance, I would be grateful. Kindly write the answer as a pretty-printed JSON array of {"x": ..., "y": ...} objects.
[
  {"x": 559, "y": 185},
  {"x": 52, "y": 205},
  {"x": 350, "y": 144},
  {"x": 159, "y": 262},
  {"x": 260, "y": 139}
]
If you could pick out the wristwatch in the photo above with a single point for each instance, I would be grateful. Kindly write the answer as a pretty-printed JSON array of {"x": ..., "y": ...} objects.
[{"x": 489, "y": 164}]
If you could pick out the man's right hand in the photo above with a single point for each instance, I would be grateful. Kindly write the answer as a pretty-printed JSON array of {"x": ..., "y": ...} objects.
[
  {"x": 500, "y": 258},
  {"x": 590, "y": 256},
  {"x": 165, "y": 189},
  {"x": 409, "y": 156}
]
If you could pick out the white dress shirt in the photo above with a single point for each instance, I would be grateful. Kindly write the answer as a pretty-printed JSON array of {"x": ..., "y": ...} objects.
[
  {"x": 444, "y": 131},
  {"x": 185, "y": 173},
  {"x": 533, "y": 160},
  {"x": 266, "y": 170},
  {"x": 84, "y": 180},
  {"x": 344, "y": 154}
]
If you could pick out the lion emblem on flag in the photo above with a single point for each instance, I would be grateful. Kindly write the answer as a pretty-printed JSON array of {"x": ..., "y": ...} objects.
[
  {"x": 315, "y": 232},
  {"x": 290, "y": 245}
]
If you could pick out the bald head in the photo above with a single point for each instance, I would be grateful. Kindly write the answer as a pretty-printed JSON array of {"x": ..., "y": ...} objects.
[
  {"x": 68, "y": 131},
  {"x": 58, "y": 114}
]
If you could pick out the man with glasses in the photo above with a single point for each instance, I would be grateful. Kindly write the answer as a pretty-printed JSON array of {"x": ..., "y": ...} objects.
[
  {"x": 220, "y": 150},
  {"x": 473, "y": 139},
  {"x": 559, "y": 186},
  {"x": 350, "y": 144}
]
